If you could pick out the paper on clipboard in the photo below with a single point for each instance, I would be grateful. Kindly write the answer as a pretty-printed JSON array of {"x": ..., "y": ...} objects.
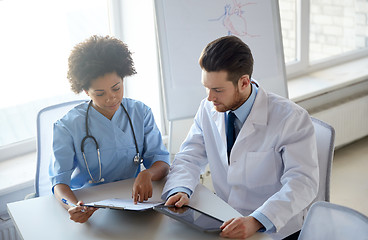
[{"x": 124, "y": 204}]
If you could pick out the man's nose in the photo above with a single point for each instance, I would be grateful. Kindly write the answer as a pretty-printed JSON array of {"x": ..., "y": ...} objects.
[{"x": 211, "y": 96}]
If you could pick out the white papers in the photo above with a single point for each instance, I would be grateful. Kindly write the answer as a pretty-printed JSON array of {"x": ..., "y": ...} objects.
[{"x": 125, "y": 204}]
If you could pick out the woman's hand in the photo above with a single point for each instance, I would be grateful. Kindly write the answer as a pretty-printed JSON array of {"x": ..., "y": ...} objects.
[
  {"x": 80, "y": 213},
  {"x": 77, "y": 213},
  {"x": 142, "y": 187}
]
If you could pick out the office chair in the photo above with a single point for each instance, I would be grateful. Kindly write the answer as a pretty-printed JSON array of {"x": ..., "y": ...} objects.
[
  {"x": 325, "y": 137},
  {"x": 331, "y": 221},
  {"x": 45, "y": 119}
]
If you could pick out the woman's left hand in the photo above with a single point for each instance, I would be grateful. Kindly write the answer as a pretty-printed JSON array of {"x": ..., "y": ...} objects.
[{"x": 142, "y": 187}]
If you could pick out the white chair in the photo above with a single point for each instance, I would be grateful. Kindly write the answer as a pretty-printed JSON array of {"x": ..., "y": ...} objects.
[
  {"x": 325, "y": 137},
  {"x": 331, "y": 221},
  {"x": 45, "y": 119}
]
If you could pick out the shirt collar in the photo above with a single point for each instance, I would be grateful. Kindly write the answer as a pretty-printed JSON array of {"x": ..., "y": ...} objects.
[{"x": 243, "y": 111}]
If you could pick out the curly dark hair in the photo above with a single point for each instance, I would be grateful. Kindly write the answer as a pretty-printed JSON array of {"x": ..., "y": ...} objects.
[
  {"x": 228, "y": 54},
  {"x": 95, "y": 57}
]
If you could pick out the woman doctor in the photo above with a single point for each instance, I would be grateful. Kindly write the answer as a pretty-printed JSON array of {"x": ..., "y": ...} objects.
[{"x": 105, "y": 139}]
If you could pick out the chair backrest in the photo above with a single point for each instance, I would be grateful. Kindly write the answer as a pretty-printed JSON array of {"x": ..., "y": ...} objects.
[
  {"x": 45, "y": 120},
  {"x": 325, "y": 137},
  {"x": 331, "y": 221}
]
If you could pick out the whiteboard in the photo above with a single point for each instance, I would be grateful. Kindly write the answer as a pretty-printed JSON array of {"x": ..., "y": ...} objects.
[{"x": 185, "y": 27}]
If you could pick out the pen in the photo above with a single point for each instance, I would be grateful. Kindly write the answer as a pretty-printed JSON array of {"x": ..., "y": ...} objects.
[
  {"x": 70, "y": 204},
  {"x": 67, "y": 203}
]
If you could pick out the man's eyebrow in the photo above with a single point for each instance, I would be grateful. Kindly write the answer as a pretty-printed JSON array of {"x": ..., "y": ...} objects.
[{"x": 216, "y": 88}]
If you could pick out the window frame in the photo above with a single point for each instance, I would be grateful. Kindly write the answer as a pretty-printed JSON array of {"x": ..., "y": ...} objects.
[{"x": 302, "y": 65}]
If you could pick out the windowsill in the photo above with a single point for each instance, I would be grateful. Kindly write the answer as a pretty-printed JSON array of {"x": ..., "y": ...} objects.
[
  {"x": 328, "y": 80},
  {"x": 18, "y": 173}
]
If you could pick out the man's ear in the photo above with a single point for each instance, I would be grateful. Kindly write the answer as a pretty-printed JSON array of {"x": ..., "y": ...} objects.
[{"x": 244, "y": 82}]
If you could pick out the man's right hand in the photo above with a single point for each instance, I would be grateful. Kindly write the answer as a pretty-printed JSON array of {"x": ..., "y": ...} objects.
[{"x": 179, "y": 199}]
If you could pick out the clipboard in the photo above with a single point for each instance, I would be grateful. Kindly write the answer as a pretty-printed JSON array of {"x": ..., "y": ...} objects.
[{"x": 123, "y": 204}]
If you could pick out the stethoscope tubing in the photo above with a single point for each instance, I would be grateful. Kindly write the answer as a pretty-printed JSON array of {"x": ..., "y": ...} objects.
[{"x": 137, "y": 159}]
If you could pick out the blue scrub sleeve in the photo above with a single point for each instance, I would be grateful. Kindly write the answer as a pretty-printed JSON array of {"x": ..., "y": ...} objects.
[
  {"x": 154, "y": 149},
  {"x": 62, "y": 161}
]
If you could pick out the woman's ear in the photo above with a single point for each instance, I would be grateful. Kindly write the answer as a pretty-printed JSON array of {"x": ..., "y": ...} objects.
[{"x": 86, "y": 92}]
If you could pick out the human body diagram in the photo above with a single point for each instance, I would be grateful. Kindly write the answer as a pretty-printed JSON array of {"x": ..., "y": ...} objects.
[{"x": 234, "y": 19}]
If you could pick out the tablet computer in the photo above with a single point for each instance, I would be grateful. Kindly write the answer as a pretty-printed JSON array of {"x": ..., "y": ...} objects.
[{"x": 192, "y": 217}]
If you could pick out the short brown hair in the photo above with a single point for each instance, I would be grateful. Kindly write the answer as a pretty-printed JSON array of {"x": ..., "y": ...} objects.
[
  {"x": 96, "y": 57},
  {"x": 228, "y": 54}
]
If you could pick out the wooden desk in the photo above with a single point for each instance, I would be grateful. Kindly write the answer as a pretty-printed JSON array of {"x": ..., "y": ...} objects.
[{"x": 44, "y": 218}]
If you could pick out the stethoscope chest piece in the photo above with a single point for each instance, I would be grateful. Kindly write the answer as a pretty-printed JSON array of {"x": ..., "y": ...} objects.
[
  {"x": 99, "y": 181},
  {"x": 137, "y": 159}
]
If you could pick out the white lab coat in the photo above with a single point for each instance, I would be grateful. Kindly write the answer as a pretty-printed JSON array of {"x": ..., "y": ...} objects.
[{"x": 273, "y": 163}]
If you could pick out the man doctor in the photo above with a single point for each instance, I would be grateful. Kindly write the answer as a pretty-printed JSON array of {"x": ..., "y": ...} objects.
[{"x": 270, "y": 174}]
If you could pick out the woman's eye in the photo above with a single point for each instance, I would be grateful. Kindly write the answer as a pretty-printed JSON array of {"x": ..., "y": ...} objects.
[
  {"x": 100, "y": 94},
  {"x": 116, "y": 89}
]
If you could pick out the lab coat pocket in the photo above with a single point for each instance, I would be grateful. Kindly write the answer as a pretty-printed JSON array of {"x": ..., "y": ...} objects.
[{"x": 260, "y": 169}]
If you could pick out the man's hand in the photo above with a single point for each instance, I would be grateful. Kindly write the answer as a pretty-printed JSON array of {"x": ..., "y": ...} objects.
[
  {"x": 179, "y": 199},
  {"x": 241, "y": 227}
]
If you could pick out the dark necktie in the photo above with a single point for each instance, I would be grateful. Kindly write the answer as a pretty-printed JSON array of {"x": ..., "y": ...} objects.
[{"x": 230, "y": 132}]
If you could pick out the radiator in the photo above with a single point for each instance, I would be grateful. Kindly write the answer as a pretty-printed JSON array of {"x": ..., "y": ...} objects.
[
  {"x": 349, "y": 118},
  {"x": 8, "y": 231}
]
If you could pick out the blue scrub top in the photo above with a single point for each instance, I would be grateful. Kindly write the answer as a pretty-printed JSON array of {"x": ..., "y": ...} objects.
[{"x": 115, "y": 140}]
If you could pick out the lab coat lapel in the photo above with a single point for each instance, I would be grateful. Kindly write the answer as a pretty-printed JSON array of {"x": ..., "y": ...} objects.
[
  {"x": 219, "y": 119},
  {"x": 257, "y": 116}
]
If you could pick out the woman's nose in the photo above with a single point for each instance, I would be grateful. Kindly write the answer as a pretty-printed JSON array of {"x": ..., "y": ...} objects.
[{"x": 111, "y": 97}]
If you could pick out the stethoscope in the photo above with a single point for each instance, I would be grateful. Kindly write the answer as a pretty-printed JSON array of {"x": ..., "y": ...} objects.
[{"x": 137, "y": 159}]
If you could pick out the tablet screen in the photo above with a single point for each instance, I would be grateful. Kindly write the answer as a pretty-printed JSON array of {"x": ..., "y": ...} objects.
[{"x": 191, "y": 216}]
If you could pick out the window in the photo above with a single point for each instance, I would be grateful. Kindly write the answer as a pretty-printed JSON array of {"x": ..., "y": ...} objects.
[
  {"x": 36, "y": 39},
  {"x": 318, "y": 34},
  {"x": 137, "y": 30},
  {"x": 337, "y": 28},
  {"x": 288, "y": 24}
]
